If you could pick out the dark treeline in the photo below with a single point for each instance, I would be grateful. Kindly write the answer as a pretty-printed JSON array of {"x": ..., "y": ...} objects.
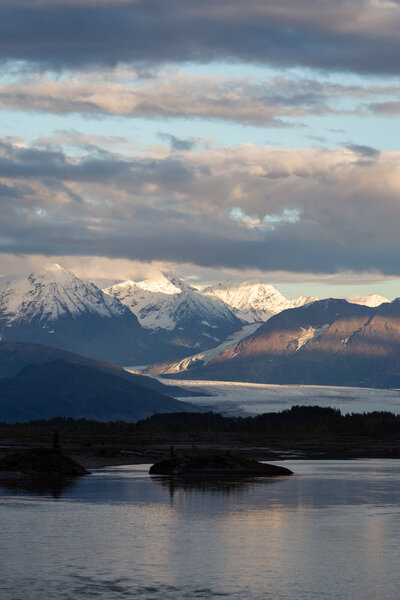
[{"x": 301, "y": 422}]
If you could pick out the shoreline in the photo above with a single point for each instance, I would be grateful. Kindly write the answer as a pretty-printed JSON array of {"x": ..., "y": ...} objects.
[
  {"x": 278, "y": 451},
  {"x": 99, "y": 451}
]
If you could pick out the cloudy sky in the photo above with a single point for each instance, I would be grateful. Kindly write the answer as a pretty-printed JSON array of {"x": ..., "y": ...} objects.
[{"x": 224, "y": 138}]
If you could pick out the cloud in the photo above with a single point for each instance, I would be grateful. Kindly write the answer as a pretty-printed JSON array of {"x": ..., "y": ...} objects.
[
  {"x": 351, "y": 35},
  {"x": 169, "y": 94},
  {"x": 266, "y": 223},
  {"x": 385, "y": 109},
  {"x": 364, "y": 151},
  {"x": 172, "y": 93},
  {"x": 94, "y": 143},
  {"x": 302, "y": 210},
  {"x": 178, "y": 144}
]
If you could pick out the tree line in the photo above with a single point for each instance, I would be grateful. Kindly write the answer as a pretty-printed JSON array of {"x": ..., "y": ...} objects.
[{"x": 298, "y": 422}]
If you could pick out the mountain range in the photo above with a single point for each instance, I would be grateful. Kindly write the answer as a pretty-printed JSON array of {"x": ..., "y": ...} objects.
[
  {"x": 163, "y": 321},
  {"x": 176, "y": 312},
  {"x": 57, "y": 308},
  {"x": 254, "y": 302},
  {"x": 130, "y": 323},
  {"x": 327, "y": 342}
]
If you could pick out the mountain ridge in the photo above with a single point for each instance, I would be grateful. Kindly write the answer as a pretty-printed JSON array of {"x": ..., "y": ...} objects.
[
  {"x": 164, "y": 319},
  {"x": 62, "y": 389},
  {"x": 14, "y": 356},
  {"x": 327, "y": 342},
  {"x": 177, "y": 311},
  {"x": 254, "y": 301}
]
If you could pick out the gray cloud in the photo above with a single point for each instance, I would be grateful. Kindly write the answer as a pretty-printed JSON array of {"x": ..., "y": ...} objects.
[
  {"x": 351, "y": 35},
  {"x": 311, "y": 210},
  {"x": 385, "y": 109},
  {"x": 178, "y": 144},
  {"x": 364, "y": 151}
]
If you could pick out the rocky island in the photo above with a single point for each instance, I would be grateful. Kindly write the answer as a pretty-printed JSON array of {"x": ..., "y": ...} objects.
[
  {"x": 39, "y": 462},
  {"x": 223, "y": 464}
]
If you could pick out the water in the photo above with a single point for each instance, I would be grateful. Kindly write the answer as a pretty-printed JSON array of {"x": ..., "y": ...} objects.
[{"x": 332, "y": 531}]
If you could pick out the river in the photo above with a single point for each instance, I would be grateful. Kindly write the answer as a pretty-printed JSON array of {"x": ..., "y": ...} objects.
[{"x": 330, "y": 531}]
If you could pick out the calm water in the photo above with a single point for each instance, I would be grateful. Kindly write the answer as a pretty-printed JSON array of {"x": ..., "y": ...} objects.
[{"x": 330, "y": 532}]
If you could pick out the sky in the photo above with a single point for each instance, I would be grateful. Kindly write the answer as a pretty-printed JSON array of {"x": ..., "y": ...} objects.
[{"x": 219, "y": 139}]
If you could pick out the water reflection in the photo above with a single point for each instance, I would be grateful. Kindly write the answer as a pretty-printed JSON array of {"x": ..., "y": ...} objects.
[
  {"x": 224, "y": 486},
  {"x": 43, "y": 485},
  {"x": 331, "y": 531}
]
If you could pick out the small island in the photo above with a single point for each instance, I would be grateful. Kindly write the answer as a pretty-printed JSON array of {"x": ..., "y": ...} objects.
[
  {"x": 40, "y": 462},
  {"x": 223, "y": 464}
]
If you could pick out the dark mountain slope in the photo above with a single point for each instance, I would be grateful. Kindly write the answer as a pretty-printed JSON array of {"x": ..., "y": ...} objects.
[
  {"x": 14, "y": 356},
  {"x": 63, "y": 389}
]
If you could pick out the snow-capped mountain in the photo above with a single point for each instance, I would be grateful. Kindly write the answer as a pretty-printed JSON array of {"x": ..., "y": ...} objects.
[
  {"x": 170, "y": 305},
  {"x": 139, "y": 323},
  {"x": 54, "y": 293},
  {"x": 372, "y": 300},
  {"x": 57, "y": 308},
  {"x": 254, "y": 301},
  {"x": 154, "y": 301}
]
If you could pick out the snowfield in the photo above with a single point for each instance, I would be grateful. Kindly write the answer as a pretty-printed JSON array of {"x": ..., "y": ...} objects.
[{"x": 246, "y": 399}]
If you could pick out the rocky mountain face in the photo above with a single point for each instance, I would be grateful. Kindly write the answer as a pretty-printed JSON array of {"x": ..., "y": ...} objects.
[
  {"x": 254, "y": 301},
  {"x": 175, "y": 312},
  {"x": 328, "y": 342}
]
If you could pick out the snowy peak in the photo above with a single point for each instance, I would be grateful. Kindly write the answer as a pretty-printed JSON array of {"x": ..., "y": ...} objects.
[
  {"x": 166, "y": 283},
  {"x": 254, "y": 301},
  {"x": 151, "y": 301},
  {"x": 52, "y": 294},
  {"x": 302, "y": 301},
  {"x": 169, "y": 303},
  {"x": 373, "y": 300}
]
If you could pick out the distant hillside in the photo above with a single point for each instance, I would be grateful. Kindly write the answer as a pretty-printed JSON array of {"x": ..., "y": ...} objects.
[
  {"x": 329, "y": 342},
  {"x": 63, "y": 389},
  {"x": 14, "y": 356}
]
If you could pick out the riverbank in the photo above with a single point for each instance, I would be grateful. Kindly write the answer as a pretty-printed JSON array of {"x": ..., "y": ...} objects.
[{"x": 123, "y": 452}]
